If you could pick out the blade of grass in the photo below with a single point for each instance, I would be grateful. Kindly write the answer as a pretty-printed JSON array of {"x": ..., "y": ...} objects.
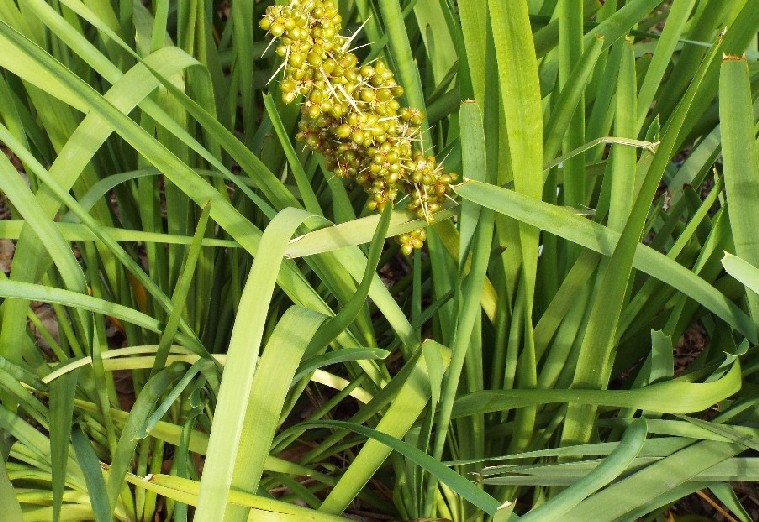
[
  {"x": 623, "y": 497},
  {"x": 443, "y": 473},
  {"x": 565, "y": 223},
  {"x": 332, "y": 328},
  {"x": 187, "y": 491},
  {"x": 304, "y": 186},
  {"x": 470, "y": 287},
  {"x": 237, "y": 381},
  {"x": 46, "y": 294},
  {"x": 11, "y": 508},
  {"x": 520, "y": 97},
  {"x": 563, "y": 301},
  {"x": 61, "y": 405},
  {"x": 311, "y": 364},
  {"x": 150, "y": 394},
  {"x": 678, "y": 16},
  {"x": 473, "y": 16},
  {"x": 167, "y": 401},
  {"x": 726, "y": 494},
  {"x": 742, "y": 270},
  {"x": 71, "y": 232},
  {"x": 397, "y": 420},
  {"x": 46, "y": 236},
  {"x": 22, "y": 198},
  {"x": 400, "y": 50},
  {"x": 608, "y": 470},
  {"x": 570, "y": 50},
  {"x": 93, "y": 475},
  {"x": 741, "y": 161},
  {"x": 181, "y": 290},
  {"x": 733, "y": 41},
  {"x": 438, "y": 42},
  {"x": 358, "y": 232},
  {"x": 675, "y": 396},
  {"x": 271, "y": 381},
  {"x": 623, "y": 167},
  {"x": 651, "y": 289},
  {"x": 595, "y": 356},
  {"x": 620, "y": 23},
  {"x": 242, "y": 16},
  {"x": 566, "y": 107},
  {"x": 659, "y": 447}
]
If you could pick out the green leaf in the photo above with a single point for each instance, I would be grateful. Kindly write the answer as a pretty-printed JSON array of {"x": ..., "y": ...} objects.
[
  {"x": 358, "y": 232},
  {"x": 665, "y": 47},
  {"x": 11, "y": 508},
  {"x": 187, "y": 491},
  {"x": 238, "y": 378},
  {"x": 400, "y": 49},
  {"x": 181, "y": 290},
  {"x": 622, "y": 497},
  {"x": 271, "y": 381},
  {"x": 304, "y": 185},
  {"x": 726, "y": 495},
  {"x": 48, "y": 294},
  {"x": 674, "y": 396},
  {"x": 444, "y": 474},
  {"x": 568, "y": 100},
  {"x": 741, "y": 161},
  {"x": 93, "y": 475},
  {"x": 311, "y": 364},
  {"x": 62, "y": 392},
  {"x": 330, "y": 329},
  {"x": 473, "y": 160},
  {"x": 519, "y": 89},
  {"x": 567, "y": 224},
  {"x": 395, "y": 423},
  {"x": 22, "y": 198},
  {"x": 477, "y": 228},
  {"x": 143, "y": 407},
  {"x": 609, "y": 469},
  {"x": 742, "y": 270}
]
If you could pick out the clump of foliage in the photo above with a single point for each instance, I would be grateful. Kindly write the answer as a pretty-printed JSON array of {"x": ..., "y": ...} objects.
[{"x": 201, "y": 318}]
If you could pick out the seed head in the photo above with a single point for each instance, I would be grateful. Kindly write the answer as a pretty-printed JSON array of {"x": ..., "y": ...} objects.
[{"x": 352, "y": 114}]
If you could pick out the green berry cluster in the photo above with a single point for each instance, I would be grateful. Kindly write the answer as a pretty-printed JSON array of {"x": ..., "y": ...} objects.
[{"x": 351, "y": 112}]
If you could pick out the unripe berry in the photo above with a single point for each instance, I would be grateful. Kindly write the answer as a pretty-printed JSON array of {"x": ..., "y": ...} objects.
[
  {"x": 297, "y": 59},
  {"x": 358, "y": 136},
  {"x": 367, "y": 95},
  {"x": 277, "y": 29},
  {"x": 343, "y": 131}
]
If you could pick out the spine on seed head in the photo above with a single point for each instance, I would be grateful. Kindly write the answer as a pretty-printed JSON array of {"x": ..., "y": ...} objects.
[{"x": 351, "y": 113}]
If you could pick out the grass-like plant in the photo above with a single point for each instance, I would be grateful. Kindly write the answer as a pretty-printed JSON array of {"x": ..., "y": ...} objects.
[{"x": 202, "y": 318}]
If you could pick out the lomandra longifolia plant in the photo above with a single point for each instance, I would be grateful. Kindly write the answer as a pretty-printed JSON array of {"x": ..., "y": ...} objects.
[{"x": 201, "y": 317}]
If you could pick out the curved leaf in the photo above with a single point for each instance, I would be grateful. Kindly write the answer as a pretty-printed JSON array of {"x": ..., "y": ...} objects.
[{"x": 664, "y": 397}]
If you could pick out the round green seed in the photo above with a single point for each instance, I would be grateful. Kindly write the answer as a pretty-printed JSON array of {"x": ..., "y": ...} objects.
[{"x": 343, "y": 131}]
